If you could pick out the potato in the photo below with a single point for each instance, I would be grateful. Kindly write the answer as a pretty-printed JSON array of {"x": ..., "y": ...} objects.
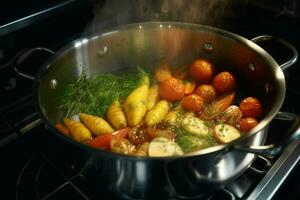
[
  {"x": 225, "y": 133},
  {"x": 153, "y": 96},
  {"x": 172, "y": 117},
  {"x": 116, "y": 116},
  {"x": 195, "y": 126},
  {"x": 135, "y": 105},
  {"x": 162, "y": 146},
  {"x": 157, "y": 113},
  {"x": 97, "y": 125},
  {"x": 77, "y": 130}
]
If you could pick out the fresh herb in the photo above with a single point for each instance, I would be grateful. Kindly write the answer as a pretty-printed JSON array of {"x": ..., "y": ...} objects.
[{"x": 94, "y": 95}]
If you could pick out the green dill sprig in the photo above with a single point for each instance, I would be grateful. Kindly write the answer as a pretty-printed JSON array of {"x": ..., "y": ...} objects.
[{"x": 94, "y": 95}]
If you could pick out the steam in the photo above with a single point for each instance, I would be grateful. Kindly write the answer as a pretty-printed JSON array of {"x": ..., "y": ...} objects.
[{"x": 117, "y": 12}]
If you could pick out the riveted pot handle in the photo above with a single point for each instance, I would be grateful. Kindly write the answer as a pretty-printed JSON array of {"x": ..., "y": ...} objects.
[
  {"x": 272, "y": 149},
  {"x": 24, "y": 55},
  {"x": 284, "y": 43}
]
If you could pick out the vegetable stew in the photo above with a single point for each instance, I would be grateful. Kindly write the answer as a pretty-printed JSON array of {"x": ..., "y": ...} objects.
[{"x": 166, "y": 112}]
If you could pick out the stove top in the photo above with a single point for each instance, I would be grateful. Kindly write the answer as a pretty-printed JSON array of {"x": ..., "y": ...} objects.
[{"x": 35, "y": 164}]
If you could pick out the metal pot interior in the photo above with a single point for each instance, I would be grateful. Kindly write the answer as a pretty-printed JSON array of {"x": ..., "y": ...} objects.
[{"x": 146, "y": 44}]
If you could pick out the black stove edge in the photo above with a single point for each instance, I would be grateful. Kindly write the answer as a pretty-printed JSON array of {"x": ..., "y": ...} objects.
[
  {"x": 35, "y": 17},
  {"x": 266, "y": 190}
]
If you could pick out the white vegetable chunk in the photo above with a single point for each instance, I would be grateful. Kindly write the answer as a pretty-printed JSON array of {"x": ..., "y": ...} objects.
[
  {"x": 195, "y": 126},
  {"x": 225, "y": 133},
  {"x": 161, "y": 146}
]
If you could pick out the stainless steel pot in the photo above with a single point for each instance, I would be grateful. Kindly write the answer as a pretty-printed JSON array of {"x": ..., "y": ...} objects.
[{"x": 145, "y": 44}]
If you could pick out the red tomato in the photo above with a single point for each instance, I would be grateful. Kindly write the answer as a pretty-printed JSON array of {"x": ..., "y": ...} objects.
[
  {"x": 137, "y": 136},
  {"x": 171, "y": 89},
  {"x": 102, "y": 141},
  {"x": 193, "y": 103},
  {"x": 247, "y": 124},
  {"x": 201, "y": 70},
  {"x": 207, "y": 92},
  {"x": 224, "y": 82},
  {"x": 251, "y": 107}
]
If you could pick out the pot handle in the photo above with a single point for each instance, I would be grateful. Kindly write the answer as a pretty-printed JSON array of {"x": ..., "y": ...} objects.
[
  {"x": 272, "y": 150},
  {"x": 284, "y": 43},
  {"x": 24, "y": 55}
]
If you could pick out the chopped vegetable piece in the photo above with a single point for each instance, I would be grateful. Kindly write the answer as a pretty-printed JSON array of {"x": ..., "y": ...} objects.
[
  {"x": 62, "y": 129},
  {"x": 224, "y": 82},
  {"x": 232, "y": 116},
  {"x": 161, "y": 146},
  {"x": 153, "y": 96},
  {"x": 157, "y": 113},
  {"x": 102, "y": 141},
  {"x": 247, "y": 124},
  {"x": 172, "y": 116},
  {"x": 201, "y": 70},
  {"x": 142, "y": 150},
  {"x": 137, "y": 135},
  {"x": 195, "y": 126},
  {"x": 121, "y": 146},
  {"x": 225, "y": 133},
  {"x": 171, "y": 89},
  {"x": 77, "y": 130},
  {"x": 135, "y": 105},
  {"x": 207, "y": 92},
  {"x": 163, "y": 73},
  {"x": 193, "y": 103},
  {"x": 189, "y": 114},
  {"x": 251, "y": 107},
  {"x": 97, "y": 125},
  {"x": 215, "y": 108},
  {"x": 116, "y": 116},
  {"x": 154, "y": 133},
  {"x": 190, "y": 143}
]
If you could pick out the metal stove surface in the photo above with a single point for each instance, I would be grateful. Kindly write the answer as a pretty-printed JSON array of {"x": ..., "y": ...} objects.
[{"x": 38, "y": 165}]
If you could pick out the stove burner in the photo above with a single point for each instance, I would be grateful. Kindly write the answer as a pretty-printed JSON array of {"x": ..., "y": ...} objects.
[{"x": 53, "y": 178}]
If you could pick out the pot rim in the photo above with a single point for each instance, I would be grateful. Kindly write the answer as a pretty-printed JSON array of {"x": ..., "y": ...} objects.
[{"x": 157, "y": 24}]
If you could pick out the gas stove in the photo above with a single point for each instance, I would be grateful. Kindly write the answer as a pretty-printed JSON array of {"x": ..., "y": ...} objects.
[{"x": 35, "y": 164}]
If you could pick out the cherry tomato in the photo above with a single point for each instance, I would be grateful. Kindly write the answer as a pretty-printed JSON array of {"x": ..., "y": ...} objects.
[
  {"x": 163, "y": 73},
  {"x": 102, "y": 141},
  {"x": 137, "y": 136},
  {"x": 247, "y": 124},
  {"x": 207, "y": 92},
  {"x": 201, "y": 70},
  {"x": 193, "y": 103},
  {"x": 189, "y": 87},
  {"x": 171, "y": 89},
  {"x": 224, "y": 82},
  {"x": 251, "y": 107}
]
